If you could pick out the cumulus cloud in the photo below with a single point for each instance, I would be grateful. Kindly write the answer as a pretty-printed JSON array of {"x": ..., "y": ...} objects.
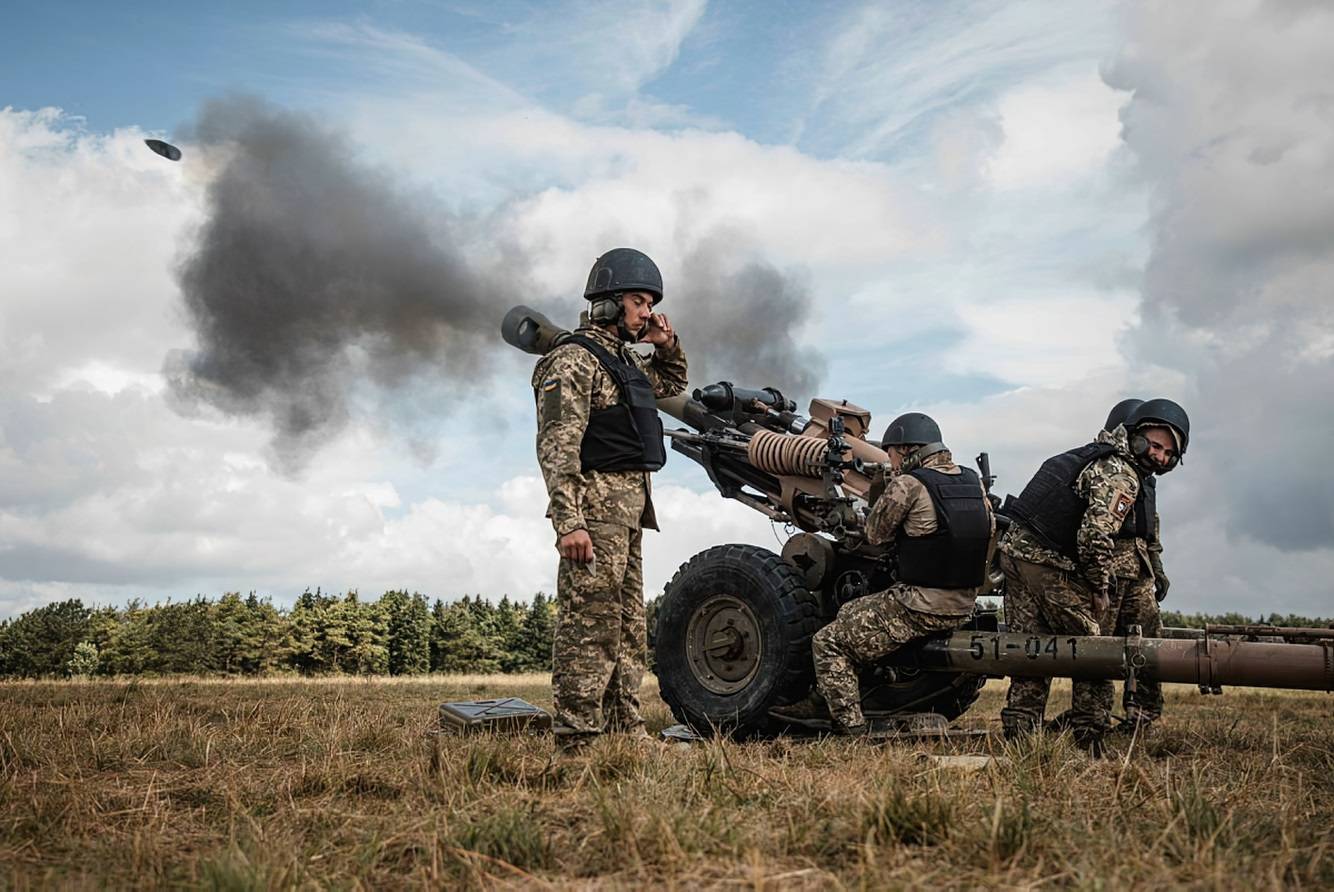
[{"x": 1231, "y": 129}]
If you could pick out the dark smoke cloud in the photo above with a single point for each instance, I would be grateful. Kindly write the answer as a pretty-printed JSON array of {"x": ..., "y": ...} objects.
[
  {"x": 313, "y": 274},
  {"x": 1232, "y": 125},
  {"x": 319, "y": 289},
  {"x": 740, "y": 320}
]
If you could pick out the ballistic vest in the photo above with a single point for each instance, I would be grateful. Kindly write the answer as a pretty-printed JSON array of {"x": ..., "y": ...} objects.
[
  {"x": 1049, "y": 505},
  {"x": 955, "y": 555},
  {"x": 628, "y": 435}
]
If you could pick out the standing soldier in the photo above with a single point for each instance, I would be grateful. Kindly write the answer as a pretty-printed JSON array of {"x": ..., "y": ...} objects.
[
  {"x": 938, "y": 516},
  {"x": 598, "y": 438},
  {"x": 1140, "y": 583},
  {"x": 1059, "y": 554}
]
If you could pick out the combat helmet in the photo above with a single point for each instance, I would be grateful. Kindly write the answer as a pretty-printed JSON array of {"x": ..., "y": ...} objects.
[
  {"x": 1120, "y": 412},
  {"x": 614, "y": 273},
  {"x": 1158, "y": 413},
  {"x": 914, "y": 429}
]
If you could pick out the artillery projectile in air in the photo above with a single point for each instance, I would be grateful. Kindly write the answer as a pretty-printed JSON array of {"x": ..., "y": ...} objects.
[{"x": 165, "y": 149}]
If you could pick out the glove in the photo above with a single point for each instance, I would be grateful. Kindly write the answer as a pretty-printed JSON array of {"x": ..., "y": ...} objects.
[
  {"x": 879, "y": 483},
  {"x": 1160, "y": 586}
]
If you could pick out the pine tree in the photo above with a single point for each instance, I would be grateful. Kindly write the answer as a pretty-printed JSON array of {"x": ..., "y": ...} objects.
[
  {"x": 533, "y": 644},
  {"x": 462, "y": 646},
  {"x": 41, "y": 642}
]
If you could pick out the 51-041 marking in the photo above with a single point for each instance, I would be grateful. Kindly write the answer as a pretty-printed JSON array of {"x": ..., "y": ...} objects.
[{"x": 1034, "y": 646}]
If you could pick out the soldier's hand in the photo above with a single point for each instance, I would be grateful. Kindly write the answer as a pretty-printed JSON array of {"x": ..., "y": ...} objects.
[
  {"x": 659, "y": 331},
  {"x": 576, "y": 545},
  {"x": 1160, "y": 586},
  {"x": 1100, "y": 604}
]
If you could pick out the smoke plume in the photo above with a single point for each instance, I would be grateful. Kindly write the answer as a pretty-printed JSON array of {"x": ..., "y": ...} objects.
[
  {"x": 316, "y": 284},
  {"x": 313, "y": 274},
  {"x": 739, "y": 321}
]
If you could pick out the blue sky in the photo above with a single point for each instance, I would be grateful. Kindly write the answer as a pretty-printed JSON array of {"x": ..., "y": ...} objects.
[{"x": 1007, "y": 214}]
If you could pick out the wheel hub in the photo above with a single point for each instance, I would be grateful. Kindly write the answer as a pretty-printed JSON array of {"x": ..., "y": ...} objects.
[{"x": 723, "y": 644}]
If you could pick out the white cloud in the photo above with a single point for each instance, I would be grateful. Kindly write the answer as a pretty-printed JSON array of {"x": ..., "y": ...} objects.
[{"x": 1055, "y": 130}]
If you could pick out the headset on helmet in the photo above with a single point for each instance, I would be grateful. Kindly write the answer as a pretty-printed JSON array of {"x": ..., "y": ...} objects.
[
  {"x": 1157, "y": 413},
  {"x": 914, "y": 429},
  {"x": 614, "y": 273}
]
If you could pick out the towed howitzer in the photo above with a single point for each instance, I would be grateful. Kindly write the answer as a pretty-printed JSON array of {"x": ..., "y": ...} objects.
[{"x": 732, "y": 638}]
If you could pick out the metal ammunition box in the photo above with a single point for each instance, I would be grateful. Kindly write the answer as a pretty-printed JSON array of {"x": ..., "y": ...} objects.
[{"x": 507, "y": 715}]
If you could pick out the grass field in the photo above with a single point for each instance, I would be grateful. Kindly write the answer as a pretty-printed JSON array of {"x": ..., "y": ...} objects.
[{"x": 237, "y": 785}]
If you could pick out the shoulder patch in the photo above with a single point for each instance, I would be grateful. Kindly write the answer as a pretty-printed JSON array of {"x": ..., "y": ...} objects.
[
  {"x": 551, "y": 400},
  {"x": 1122, "y": 504}
]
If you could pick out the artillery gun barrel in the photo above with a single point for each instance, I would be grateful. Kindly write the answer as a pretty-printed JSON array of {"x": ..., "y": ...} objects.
[{"x": 1204, "y": 661}]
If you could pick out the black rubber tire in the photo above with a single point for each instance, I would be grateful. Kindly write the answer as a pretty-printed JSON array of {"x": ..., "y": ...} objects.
[{"x": 787, "y": 613}]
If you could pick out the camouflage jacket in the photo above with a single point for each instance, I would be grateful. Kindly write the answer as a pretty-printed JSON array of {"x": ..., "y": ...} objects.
[
  {"x": 905, "y": 503},
  {"x": 1135, "y": 558},
  {"x": 568, "y": 384},
  {"x": 1109, "y": 485}
]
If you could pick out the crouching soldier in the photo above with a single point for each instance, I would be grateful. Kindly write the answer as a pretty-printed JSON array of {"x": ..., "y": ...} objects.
[{"x": 938, "y": 516}]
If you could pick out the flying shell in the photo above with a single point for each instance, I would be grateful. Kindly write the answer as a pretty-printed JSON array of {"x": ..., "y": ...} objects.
[{"x": 165, "y": 149}]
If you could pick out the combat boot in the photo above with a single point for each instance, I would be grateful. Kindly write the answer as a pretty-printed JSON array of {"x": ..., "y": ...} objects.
[{"x": 810, "y": 712}]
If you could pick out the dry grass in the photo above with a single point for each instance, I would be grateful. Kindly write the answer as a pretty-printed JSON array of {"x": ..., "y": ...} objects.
[{"x": 240, "y": 785}]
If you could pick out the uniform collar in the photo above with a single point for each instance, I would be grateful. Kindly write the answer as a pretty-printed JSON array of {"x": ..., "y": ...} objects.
[
  {"x": 941, "y": 460},
  {"x": 601, "y": 336},
  {"x": 1119, "y": 440}
]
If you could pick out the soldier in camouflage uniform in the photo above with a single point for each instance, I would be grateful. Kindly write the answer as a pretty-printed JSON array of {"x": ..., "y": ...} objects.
[
  {"x": 1139, "y": 583},
  {"x": 938, "y": 515},
  {"x": 598, "y": 438},
  {"x": 1059, "y": 560}
]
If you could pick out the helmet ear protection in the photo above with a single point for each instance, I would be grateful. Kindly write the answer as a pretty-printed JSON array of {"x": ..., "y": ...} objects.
[
  {"x": 606, "y": 310},
  {"x": 914, "y": 459}
]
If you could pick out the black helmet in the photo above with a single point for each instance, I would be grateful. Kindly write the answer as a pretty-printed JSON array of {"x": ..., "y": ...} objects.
[
  {"x": 1158, "y": 413},
  {"x": 623, "y": 269},
  {"x": 1119, "y": 413},
  {"x": 911, "y": 429}
]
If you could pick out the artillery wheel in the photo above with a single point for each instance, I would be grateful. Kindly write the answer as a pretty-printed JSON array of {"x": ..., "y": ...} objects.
[{"x": 734, "y": 639}]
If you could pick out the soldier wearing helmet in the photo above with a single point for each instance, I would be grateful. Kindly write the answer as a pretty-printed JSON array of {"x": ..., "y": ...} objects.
[
  {"x": 1139, "y": 584},
  {"x": 938, "y": 516},
  {"x": 598, "y": 439},
  {"x": 1061, "y": 558}
]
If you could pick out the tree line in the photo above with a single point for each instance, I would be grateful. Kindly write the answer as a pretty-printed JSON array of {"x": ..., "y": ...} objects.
[{"x": 395, "y": 634}]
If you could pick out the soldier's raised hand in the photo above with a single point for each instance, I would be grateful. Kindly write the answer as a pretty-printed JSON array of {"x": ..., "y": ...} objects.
[{"x": 659, "y": 331}]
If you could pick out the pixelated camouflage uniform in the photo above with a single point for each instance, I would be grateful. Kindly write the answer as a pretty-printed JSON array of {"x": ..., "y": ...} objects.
[
  {"x": 1048, "y": 593},
  {"x": 871, "y": 628},
  {"x": 1137, "y": 570},
  {"x": 598, "y": 649}
]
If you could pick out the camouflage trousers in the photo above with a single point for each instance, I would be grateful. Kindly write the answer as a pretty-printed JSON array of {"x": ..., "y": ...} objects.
[
  {"x": 1135, "y": 603},
  {"x": 598, "y": 646},
  {"x": 1046, "y": 600},
  {"x": 866, "y": 631}
]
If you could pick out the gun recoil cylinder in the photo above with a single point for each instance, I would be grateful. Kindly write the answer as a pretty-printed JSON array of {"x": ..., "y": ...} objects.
[
  {"x": 724, "y": 397},
  {"x": 779, "y": 454}
]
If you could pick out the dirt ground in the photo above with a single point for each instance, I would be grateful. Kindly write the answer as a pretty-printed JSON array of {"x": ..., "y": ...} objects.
[{"x": 288, "y": 783}]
